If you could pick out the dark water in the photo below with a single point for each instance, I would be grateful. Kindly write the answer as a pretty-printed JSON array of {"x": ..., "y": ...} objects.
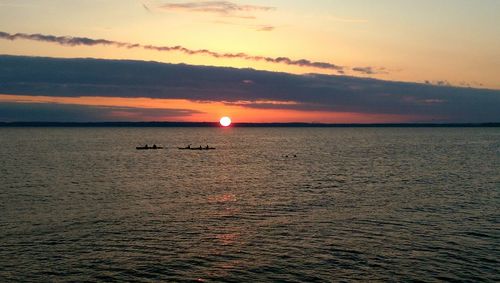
[{"x": 355, "y": 204}]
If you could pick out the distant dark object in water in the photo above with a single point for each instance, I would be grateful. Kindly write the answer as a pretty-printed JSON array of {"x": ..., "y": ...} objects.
[
  {"x": 196, "y": 148},
  {"x": 148, "y": 147}
]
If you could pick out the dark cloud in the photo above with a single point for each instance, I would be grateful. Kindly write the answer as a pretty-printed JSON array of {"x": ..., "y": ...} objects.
[
  {"x": 76, "y": 41},
  {"x": 246, "y": 87},
  {"x": 49, "y": 112},
  {"x": 221, "y": 8}
]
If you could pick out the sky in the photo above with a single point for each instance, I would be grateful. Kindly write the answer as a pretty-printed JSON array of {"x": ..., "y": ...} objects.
[{"x": 331, "y": 61}]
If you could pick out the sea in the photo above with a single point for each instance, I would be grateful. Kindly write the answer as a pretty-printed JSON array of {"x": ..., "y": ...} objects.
[{"x": 267, "y": 205}]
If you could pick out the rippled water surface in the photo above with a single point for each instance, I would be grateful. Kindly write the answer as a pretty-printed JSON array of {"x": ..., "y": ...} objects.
[{"x": 82, "y": 204}]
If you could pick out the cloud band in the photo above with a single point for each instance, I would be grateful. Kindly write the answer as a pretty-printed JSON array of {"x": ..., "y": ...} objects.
[
  {"x": 85, "y": 41},
  {"x": 38, "y": 76}
]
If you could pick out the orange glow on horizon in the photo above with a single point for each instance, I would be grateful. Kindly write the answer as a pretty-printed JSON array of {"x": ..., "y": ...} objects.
[{"x": 211, "y": 111}]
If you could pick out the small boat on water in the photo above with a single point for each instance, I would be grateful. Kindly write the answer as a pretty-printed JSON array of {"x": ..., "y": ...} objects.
[
  {"x": 196, "y": 148},
  {"x": 146, "y": 147}
]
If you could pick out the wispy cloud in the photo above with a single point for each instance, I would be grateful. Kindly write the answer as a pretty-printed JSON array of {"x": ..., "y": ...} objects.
[
  {"x": 220, "y": 8},
  {"x": 146, "y": 7},
  {"x": 265, "y": 28},
  {"x": 347, "y": 20},
  {"x": 439, "y": 83},
  {"x": 85, "y": 41},
  {"x": 250, "y": 26},
  {"x": 370, "y": 70},
  {"x": 447, "y": 83}
]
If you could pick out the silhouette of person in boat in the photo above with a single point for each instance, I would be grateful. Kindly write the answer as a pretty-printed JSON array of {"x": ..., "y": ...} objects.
[{"x": 154, "y": 146}]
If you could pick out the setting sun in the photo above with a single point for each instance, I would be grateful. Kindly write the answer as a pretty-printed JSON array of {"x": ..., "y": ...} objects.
[{"x": 225, "y": 121}]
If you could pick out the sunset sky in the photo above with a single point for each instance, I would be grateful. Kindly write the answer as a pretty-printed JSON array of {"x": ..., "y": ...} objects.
[{"x": 335, "y": 61}]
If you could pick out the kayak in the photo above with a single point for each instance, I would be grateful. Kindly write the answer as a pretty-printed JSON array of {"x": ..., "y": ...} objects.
[
  {"x": 147, "y": 147},
  {"x": 195, "y": 148}
]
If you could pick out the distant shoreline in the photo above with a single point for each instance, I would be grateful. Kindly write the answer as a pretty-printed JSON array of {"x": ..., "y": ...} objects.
[{"x": 247, "y": 125}]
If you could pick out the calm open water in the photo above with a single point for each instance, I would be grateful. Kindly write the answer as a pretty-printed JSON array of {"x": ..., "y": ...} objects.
[{"x": 381, "y": 204}]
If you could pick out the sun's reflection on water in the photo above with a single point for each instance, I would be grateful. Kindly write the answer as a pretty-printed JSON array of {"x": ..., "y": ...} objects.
[{"x": 225, "y": 238}]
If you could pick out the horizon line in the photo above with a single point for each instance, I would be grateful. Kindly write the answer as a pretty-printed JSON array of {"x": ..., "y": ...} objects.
[{"x": 171, "y": 124}]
